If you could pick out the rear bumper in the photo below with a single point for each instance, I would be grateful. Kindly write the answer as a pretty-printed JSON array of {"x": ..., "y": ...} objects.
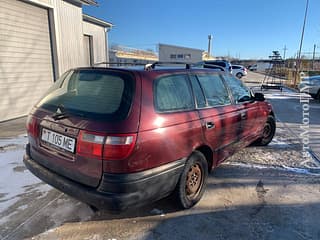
[{"x": 116, "y": 192}]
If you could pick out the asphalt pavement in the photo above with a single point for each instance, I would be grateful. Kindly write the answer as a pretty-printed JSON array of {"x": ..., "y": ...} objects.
[{"x": 295, "y": 111}]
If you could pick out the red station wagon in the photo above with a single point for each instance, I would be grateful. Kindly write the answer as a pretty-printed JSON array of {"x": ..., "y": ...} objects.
[{"x": 117, "y": 138}]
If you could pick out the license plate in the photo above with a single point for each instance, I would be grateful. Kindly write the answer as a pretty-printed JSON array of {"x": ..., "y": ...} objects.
[{"x": 58, "y": 140}]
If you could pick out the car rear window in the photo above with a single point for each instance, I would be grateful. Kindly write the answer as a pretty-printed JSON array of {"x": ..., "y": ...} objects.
[{"x": 92, "y": 94}]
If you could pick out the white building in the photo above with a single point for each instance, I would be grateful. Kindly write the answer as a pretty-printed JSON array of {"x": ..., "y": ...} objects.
[
  {"x": 171, "y": 53},
  {"x": 39, "y": 40},
  {"x": 126, "y": 55}
]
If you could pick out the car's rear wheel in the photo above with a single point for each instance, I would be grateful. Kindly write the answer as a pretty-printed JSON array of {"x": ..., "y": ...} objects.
[
  {"x": 239, "y": 75},
  {"x": 269, "y": 130},
  {"x": 192, "y": 182}
]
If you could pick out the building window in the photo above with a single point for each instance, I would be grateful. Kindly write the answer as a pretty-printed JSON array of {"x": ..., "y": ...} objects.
[
  {"x": 180, "y": 56},
  {"x": 187, "y": 56},
  {"x": 173, "y": 56}
]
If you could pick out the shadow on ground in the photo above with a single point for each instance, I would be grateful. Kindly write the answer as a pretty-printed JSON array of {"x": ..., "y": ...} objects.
[{"x": 239, "y": 203}]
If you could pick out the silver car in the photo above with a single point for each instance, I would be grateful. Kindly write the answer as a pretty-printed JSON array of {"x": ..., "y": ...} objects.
[
  {"x": 311, "y": 85},
  {"x": 239, "y": 71}
]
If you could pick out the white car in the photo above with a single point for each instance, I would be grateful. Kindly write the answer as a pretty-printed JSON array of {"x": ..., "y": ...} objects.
[
  {"x": 239, "y": 71},
  {"x": 311, "y": 85}
]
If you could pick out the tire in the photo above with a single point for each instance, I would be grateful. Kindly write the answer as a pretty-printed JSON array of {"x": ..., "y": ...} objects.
[
  {"x": 269, "y": 130},
  {"x": 192, "y": 181},
  {"x": 239, "y": 75}
]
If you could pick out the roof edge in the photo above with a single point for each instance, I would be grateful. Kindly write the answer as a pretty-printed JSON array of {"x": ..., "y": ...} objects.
[
  {"x": 189, "y": 48},
  {"x": 79, "y": 3},
  {"x": 89, "y": 2},
  {"x": 96, "y": 21}
]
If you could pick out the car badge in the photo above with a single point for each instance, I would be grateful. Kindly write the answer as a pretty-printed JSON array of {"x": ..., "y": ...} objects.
[{"x": 58, "y": 111}]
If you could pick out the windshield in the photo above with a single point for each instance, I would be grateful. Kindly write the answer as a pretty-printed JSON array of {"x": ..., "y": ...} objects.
[{"x": 91, "y": 94}]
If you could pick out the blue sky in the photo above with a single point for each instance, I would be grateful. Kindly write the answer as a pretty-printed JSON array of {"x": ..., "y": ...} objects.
[{"x": 245, "y": 28}]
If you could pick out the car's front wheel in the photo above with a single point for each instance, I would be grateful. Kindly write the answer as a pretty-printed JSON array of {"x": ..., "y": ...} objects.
[
  {"x": 192, "y": 182},
  {"x": 269, "y": 130}
]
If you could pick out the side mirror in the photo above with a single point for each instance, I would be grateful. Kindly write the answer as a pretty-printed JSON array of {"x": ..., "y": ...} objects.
[{"x": 259, "y": 97}]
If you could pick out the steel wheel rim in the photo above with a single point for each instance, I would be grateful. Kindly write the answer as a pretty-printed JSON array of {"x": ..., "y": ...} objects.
[
  {"x": 267, "y": 130},
  {"x": 194, "y": 181}
]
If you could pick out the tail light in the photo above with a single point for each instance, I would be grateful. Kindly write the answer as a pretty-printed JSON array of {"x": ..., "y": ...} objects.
[
  {"x": 32, "y": 126},
  {"x": 119, "y": 146},
  {"x": 90, "y": 144},
  {"x": 106, "y": 147}
]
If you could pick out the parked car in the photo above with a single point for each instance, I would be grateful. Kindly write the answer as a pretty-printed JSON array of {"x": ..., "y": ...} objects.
[
  {"x": 222, "y": 63},
  {"x": 311, "y": 85},
  {"x": 117, "y": 138},
  {"x": 253, "y": 67},
  {"x": 239, "y": 71}
]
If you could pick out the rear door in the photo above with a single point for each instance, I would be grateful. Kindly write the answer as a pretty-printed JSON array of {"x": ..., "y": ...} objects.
[
  {"x": 220, "y": 119},
  {"x": 75, "y": 117}
]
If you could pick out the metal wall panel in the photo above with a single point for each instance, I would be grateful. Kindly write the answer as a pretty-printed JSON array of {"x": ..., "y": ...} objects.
[
  {"x": 69, "y": 35},
  {"x": 26, "y": 69},
  {"x": 98, "y": 41}
]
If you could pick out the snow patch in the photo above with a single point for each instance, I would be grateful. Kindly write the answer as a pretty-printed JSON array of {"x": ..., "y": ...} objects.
[
  {"x": 18, "y": 141},
  {"x": 282, "y": 168},
  {"x": 13, "y": 184}
]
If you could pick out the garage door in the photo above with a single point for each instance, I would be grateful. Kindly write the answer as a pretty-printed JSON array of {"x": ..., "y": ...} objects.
[{"x": 26, "y": 69}]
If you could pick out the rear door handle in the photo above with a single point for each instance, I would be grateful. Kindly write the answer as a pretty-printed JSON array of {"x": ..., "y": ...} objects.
[
  {"x": 210, "y": 125},
  {"x": 243, "y": 116}
]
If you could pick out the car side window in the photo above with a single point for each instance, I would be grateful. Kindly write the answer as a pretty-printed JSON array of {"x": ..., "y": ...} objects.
[
  {"x": 198, "y": 93},
  {"x": 239, "y": 91},
  {"x": 214, "y": 90},
  {"x": 173, "y": 93}
]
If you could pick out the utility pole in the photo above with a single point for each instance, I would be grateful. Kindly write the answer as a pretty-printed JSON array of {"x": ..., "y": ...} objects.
[
  {"x": 313, "y": 55},
  {"x": 209, "y": 45},
  {"x": 284, "y": 52},
  {"x": 301, "y": 41}
]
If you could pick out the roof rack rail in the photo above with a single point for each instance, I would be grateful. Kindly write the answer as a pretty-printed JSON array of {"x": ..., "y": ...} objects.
[
  {"x": 117, "y": 63},
  {"x": 151, "y": 66},
  {"x": 209, "y": 65}
]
